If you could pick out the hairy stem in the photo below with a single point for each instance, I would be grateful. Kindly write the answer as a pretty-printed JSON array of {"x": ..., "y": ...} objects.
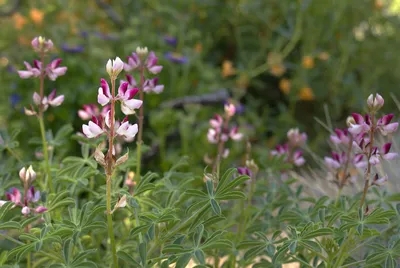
[
  {"x": 140, "y": 134},
  {"x": 110, "y": 169},
  {"x": 368, "y": 173},
  {"x": 41, "y": 123}
]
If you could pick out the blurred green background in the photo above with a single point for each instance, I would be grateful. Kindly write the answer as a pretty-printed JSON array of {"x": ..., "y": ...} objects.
[{"x": 285, "y": 61}]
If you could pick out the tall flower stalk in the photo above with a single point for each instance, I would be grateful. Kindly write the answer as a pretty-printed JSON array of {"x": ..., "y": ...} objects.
[
  {"x": 141, "y": 61},
  {"x": 105, "y": 123},
  {"x": 41, "y": 71}
]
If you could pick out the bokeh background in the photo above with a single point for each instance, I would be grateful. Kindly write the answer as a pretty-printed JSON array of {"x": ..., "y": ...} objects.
[{"x": 287, "y": 63}]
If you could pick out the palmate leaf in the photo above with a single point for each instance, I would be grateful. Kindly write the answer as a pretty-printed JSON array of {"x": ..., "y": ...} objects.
[
  {"x": 20, "y": 251},
  {"x": 5, "y": 208},
  {"x": 128, "y": 259},
  {"x": 10, "y": 225},
  {"x": 183, "y": 260}
]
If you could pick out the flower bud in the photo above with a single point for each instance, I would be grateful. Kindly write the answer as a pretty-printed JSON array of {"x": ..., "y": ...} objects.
[
  {"x": 27, "y": 175},
  {"x": 114, "y": 67},
  {"x": 25, "y": 210},
  {"x": 40, "y": 209},
  {"x": 374, "y": 104},
  {"x": 350, "y": 121},
  {"x": 40, "y": 44},
  {"x": 230, "y": 109},
  {"x": 99, "y": 156},
  {"x": 141, "y": 51}
]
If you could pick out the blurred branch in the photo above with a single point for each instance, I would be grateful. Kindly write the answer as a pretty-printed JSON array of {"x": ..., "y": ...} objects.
[
  {"x": 12, "y": 9},
  {"x": 111, "y": 13},
  {"x": 205, "y": 99}
]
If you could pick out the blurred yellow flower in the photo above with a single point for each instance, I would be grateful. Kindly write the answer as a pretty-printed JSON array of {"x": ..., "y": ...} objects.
[
  {"x": 308, "y": 62},
  {"x": 131, "y": 175},
  {"x": 324, "y": 55},
  {"x": 36, "y": 16},
  {"x": 19, "y": 21},
  {"x": 285, "y": 85},
  {"x": 277, "y": 70},
  {"x": 4, "y": 61},
  {"x": 306, "y": 94},
  {"x": 378, "y": 4},
  {"x": 227, "y": 68},
  {"x": 198, "y": 48}
]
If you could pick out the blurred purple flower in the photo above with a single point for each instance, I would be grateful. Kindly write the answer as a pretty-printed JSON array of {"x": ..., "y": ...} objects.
[
  {"x": 15, "y": 98},
  {"x": 176, "y": 57},
  {"x": 170, "y": 40},
  {"x": 72, "y": 48}
]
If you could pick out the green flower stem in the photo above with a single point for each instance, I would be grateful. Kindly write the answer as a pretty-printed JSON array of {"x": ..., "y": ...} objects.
[
  {"x": 343, "y": 250},
  {"x": 110, "y": 224},
  {"x": 46, "y": 154},
  {"x": 140, "y": 134},
  {"x": 42, "y": 128},
  {"x": 371, "y": 148}
]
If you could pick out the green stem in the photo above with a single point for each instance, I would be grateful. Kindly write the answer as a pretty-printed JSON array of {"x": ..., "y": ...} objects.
[
  {"x": 110, "y": 223},
  {"x": 343, "y": 250},
  {"x": 46, "y": 154},
  {"x": 338, "y": 196},
  {"x": 28, "y": 260},
  {"x": 371, "y": 148},
  {"x": 140, "y": 134},
  {"x": 138, "y": 224}
]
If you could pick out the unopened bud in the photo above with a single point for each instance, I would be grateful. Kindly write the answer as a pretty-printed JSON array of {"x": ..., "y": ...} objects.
[
  {"x": 122, "y": 159},
  {"x": 114, "y": 67},
  {"x": 230, "y": 109},
  {"x": 141, "y": 51},
  {"x": 25, "y": 210},
  {"x": 374, "y": 104},
  {"x": 27, "y": 175},
  {"x": 350, "y": 121},
  {"x": 40, "y": 44},
  {"x": 120, "y": 204}
]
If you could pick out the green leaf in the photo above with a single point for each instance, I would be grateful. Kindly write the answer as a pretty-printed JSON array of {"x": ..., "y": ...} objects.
[
  {"x": 215, "y": 206},
  {"x": 143, "y": 253},
  {"x": 224, "y": 180},
  {"x": 140, "y": 229},
  {"x": 232, "y": 195},
  {"x": 10, "y": 225},
  {"x": 318, "y": 232},
  {"x": 235, "y": 182},
  {"x": 195, "y": 193},
  {"x": 183, "y": 260},
  {"x": 251, "y": 253},
  {"x": 128, "y": 259},
  {"x": 5, "y": 208},
  {"x": 199, "y": 254}
]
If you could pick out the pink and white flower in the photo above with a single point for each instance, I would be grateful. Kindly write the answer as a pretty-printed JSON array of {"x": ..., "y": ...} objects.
[
  {"x": 93, "y": 129},
  {"x": 151, "y": 85},
  {"x": 361, "y": 124},
  {"x": 31, "y": 71},
  {"x": 53, "y": 70},
  {"x": 127, "y": 130},
  {"x": 151, "y": 64},
  {"x": 114, "y": 67},
  {"x": 384, "y": 125},
  {"x": 104, "y": 93}
]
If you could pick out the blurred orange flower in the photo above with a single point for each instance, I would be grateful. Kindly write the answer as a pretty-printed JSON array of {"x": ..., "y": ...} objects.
[
  {"x": 19, "y": 21},
  {"x": 36, "y": 16},
  {"x": 275, "y": 64},
  {"x": 198, "y": 48},
  {"x": 306, "y": 94},
  {"x": 24, "y": 41},
  {"x": 277, "y": 70},
  {"x": 227, "y": 68},
  {"x": 285, "y": 85},
  {"x": 378, "y": 4},
  {"x": 324, "y": 55},
  {"x": 308, "y": 62}
]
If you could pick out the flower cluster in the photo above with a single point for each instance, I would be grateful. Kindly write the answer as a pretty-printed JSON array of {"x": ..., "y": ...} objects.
[
  {"x": 51, "y": 100},
  {"x": 360, "y": 143},
  {"x": 52, "y": 71},
  {"x": 290, "y": 151},
  {"x": 30, "y": 196},
  {"x": 220, "y": 131}
]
